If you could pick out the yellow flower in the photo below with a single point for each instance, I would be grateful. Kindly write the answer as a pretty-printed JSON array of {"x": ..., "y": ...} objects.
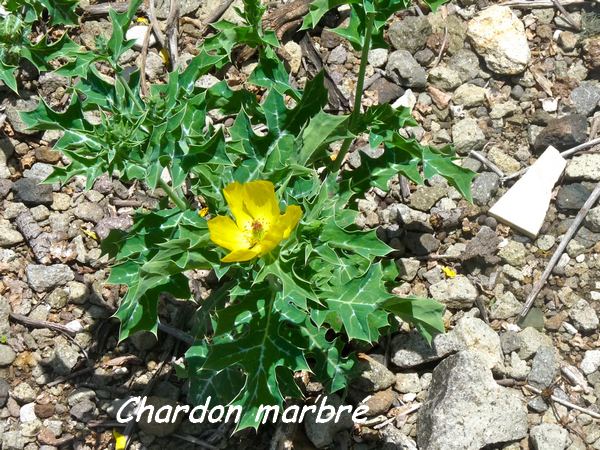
[{"x": 259, "y": 226}]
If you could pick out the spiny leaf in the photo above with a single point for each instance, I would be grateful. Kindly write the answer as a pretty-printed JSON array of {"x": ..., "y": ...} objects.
[{"x": 424, "y": 313}]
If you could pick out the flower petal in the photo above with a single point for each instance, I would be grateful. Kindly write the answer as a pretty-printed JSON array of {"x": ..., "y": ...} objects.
[
  {"x": 225, "y": 233},
  {"x": 241, "y": 255},
  {"x": 260, "y": 201},
  {"x": 235, "y": 196},
  {"x": 290, "y": 219}
]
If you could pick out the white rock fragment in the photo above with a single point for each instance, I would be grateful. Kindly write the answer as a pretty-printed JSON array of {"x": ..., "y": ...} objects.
[
  {"x": 408, "y": 100},
  {"x": 499, "y": 36},
  {"x": 137, "y": 33},
  {"x": 525, "y": 204}
]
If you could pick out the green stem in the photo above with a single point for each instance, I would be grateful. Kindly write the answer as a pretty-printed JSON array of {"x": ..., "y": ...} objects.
[
  {"x": 179, "y": 202},
  {"x": 357, "y": 95}
]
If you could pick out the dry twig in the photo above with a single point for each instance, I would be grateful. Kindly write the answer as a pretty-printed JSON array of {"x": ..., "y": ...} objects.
[
  {"x": 172, "y": 34},
  {"x": 490, "y": 165},
  {"x": 566, "y": 403},
  {"x": 33, "y": 323},
  {"x": 564, "y": 12},
  {"x": 591, "y": 201}
]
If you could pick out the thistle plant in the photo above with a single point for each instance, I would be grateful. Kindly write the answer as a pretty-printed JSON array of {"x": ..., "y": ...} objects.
[
  {"x": 17, "y": 21},
  {"x": 299, "y": 282}
]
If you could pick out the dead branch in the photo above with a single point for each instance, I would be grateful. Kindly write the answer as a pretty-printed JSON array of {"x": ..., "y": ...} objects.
[
  {"x": 103, "y": 8},
  {"x": 172, "y": 33},
  {"x": 591, "y": 201},
  {"x": 490, "y": 165},
  {"x": 566, "y": 403},
  {"x": 538, "y": 4},
  {"x": 33, "y": 323},
  {"x": 39, "y": 241}
]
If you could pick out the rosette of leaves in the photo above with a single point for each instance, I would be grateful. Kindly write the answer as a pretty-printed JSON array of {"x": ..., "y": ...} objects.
[
  {"x": 16, "y": 30},
  {"x": 299, "y": 308}
]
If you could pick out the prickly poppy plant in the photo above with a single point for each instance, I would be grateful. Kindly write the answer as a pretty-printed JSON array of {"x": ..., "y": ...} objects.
[{"x": 272, "y": 214}]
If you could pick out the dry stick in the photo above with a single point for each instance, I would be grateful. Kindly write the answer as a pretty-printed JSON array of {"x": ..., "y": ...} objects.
[
  {"x": 442, "y": 48},
  {"x": 566, "y": 403},
  {"x": 155, "y": 26},
  {"x": 592, "y": 199},
  {"x": 564, "y": 12},
  {"x": 103, "y": 8},
  {"x": 172, "y": 33},
  {"x": 219, "y": 11},
  {"x": 41, "y": 324},
  {"x": 143, "y": 84},
  {"x": 490, "y": 165},
  {"x": 176, "y": 333},
  {"x": 564, "y": 154}
]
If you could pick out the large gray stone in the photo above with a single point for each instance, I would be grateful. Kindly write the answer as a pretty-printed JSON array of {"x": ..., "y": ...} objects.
[
  {"x": 549, "y": 436},
  {"x": 403, "y": 69},
  {"x": 584, "y": 167},
  {"x": 499, "y": 36},
  {"x": 457, "y": 292},
  {"x": 31, "y": 192},
  {"x": 544, "y": 367},
  {"x": 410, "y": 350},
  {"x": 484, "y": 186},
  {"x": 563, "y": 133},
  {"x": 467, "y": 136},
  {"x": 410, "y": 33},
  {"x": 44, "y": 278},
  {"x": 466, "y": 409},
  {"x": 586, "y": 98}
]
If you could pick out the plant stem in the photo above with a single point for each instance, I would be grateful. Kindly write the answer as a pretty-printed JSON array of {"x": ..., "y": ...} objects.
[
  {"x": 131, "y": 93},
  {"x": 179, "y": 202},
  {"x": 358, "y": 94}
]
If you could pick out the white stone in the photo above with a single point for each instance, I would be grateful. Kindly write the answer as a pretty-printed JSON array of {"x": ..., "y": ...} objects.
[
  {"x": 408, "y": 100},
  {"x": 137, "y": 33},
  {"x": 499, "y": 36},
  {"x": 27, "y": 413},
  {"x": 525, "y": 204},
  {"x": 295, "y": 56},
  {"x": 591, "y": 361},
  {"x": 550, "y": 104}
]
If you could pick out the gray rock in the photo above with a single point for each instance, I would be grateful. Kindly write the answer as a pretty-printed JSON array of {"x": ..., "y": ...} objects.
[
  {"x": 4, "y": 388},
  {"x": 510, "y": 342},
  {"x": 44, "y": 278},
  {"x": 505, "y": 306},
  {"x": 545, "y": 242},
  {"x": 476, "y": 336},
  {"x": 584, "y": 317},
  {"x": 408, "y": 268},
  {"x": 16, "y": 106},
  {"x": 563, "y": 133},
  {"x": 408, "y": 383},
  {"x": 39, "y": 170},
  {"x": 13, "y": 440},
  {"x": 65, "y": 356},
  {"x": 445, "y": 78},
  {"x": 84, "y": 411},
  {"x": 374, "y": 376},
  {"x": 469, "y": 95},
  {"x": 531, "y": 340},
  {"x": 23, "y": 393},
  {"x": 7, "y": 355},
  {"x": 484, "y": 187},
  {"x": 30, "y": 192},
  {"x": 186, "y": 7},
  {"x": 424, "y": 197},
  {"x": 9, "y": 237},
  {"x": 5, "y": 188},
  {"x": 549, "y": 436},
  {"x": 323, "y": 434},
  {"x": 514, "y": 254},
  {"x": 421, "y": 243},
  {"x": 386, "y": 91},
  {"x": 424, "y": 57},
  {"x": 592, "y": 220},
  {"x": 586, "y": 98},
  {"x": 591, "y": 361},
  {"x": 466, "y": 409},
  {"x": 505, "y": 109},
  {"x": 393, "y": 439},
  {"x": 457, "y": 292},
  {"x": 403, "y": 69},
  {"x": 544, "y": 367},
  {"x": 121, "y": 222},
  {"x": 413, "y": 350},
  {"x": 465, "y": 63},
  {"x": 89, "y": 212},
  {"x": 338, "y": 55},
  {"x": 499, "y": 37},
  {"x": 410, "y": 34},
  {"x": 586, "y": 167},
  {"x": 572, "y": 197},
  {"x": 467, "y": 136},
  {"x": 378, "y": 57}
]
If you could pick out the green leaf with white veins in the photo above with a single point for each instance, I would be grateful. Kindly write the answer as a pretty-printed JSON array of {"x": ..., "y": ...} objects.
[
  {"x": 426, "y": 314},
  {"x": 355, "y": 306},
  {"x": 263, "y": 347}
]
